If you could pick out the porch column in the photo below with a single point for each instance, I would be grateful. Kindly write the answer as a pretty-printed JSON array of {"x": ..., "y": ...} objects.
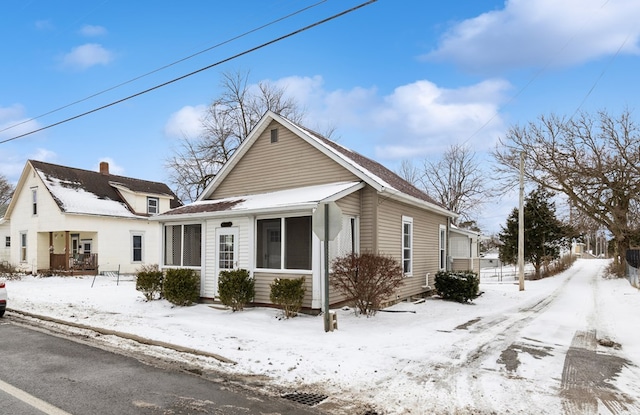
[{"x": 66, "y": 250}]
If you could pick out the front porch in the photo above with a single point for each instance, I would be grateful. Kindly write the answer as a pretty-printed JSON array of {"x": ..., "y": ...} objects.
[{"x": 70, "y": 253}]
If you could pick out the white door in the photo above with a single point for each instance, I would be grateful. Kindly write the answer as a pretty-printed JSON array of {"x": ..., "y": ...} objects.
[{"x": 226, "y": 251}]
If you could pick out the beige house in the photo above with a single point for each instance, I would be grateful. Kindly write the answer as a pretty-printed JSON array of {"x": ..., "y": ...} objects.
[
  {"x": 258, "y": 214},
  {"x": 71, "y": 220}
]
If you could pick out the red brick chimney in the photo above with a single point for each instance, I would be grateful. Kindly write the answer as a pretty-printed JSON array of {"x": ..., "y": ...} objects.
[{"x": 104, "y": 168}]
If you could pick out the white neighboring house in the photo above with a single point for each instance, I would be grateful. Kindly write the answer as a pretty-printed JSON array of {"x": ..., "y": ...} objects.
[
  {"x": 5, "y": 240},
  {"x": 464, "y": 249},
  {"x": 78, "y": 221}
]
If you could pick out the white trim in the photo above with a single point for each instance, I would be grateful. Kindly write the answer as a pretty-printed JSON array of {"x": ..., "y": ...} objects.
[
  {"x": 407, "y": 220},
  {"x": 442, "y": 248},
  {"x": 132, "y": 234}
]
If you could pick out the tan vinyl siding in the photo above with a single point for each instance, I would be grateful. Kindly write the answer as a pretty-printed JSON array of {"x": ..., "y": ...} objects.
[
  {"x": 290, "y": 162},
  {"x": 368, "y": 218},
  {"x": 263, "y": 286},
  {"x": 426, "y": 228}
]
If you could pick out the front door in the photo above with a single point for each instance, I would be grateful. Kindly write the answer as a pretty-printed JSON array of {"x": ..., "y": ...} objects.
[{"x": 226, "y": 254}]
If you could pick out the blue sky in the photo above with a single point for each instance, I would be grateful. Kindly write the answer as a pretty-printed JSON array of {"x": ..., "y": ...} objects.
[{"x": 396, "y": 79}]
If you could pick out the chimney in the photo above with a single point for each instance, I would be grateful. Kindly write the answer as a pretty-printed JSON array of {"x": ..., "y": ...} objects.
[{"x": 104, "y": 168}]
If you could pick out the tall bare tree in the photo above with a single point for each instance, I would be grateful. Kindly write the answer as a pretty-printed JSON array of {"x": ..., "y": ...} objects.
[
  {"x": 410, "y": 173},
  {"x": 227, "y": 122},
  {"x": 593, "y": 159},
  {"x": 456, "y": 181},
  {"x": 6, "y": 192}
]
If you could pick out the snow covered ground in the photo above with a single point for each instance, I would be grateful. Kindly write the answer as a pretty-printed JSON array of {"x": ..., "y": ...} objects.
[{"x": 503, "y": 353}]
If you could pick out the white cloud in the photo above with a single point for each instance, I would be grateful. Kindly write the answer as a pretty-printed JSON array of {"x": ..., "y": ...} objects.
[
  {"x": 13, "y": 122},
  {"x": 86, "y": 56},
  {"x": 91, "y": 30},
  {"x": 542, "y": 32},
  {"x": 186, "y": 122},
  {"x": 113, "y": 167}
]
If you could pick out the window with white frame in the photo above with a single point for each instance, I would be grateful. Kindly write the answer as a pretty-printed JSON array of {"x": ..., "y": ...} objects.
[
  {"x": 153, "y": 204},
  {"x": 183, "y": 245},
  {"x": 293, "y": 251},
  {"x": 443, "y": 247},
  {"x": 407, "y": 245},
  {"x": 34, "y": 200},
  {"x": 23, "y": 247},
  {"x": 7, "y": 241},
  {"x": 136, "y": 247}
]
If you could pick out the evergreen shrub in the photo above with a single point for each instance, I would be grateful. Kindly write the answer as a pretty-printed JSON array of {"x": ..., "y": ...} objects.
[
  {"x": 181, "y": 286},
  {"x": 236, "y": 288},
  {"x": 149, "y": 281},
  {"x": 288, "y": 294},
  {"x": 460, "y": 286}
]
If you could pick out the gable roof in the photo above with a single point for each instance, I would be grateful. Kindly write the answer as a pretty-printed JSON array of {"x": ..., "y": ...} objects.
[
  {"x": 93, "y": 193},
  {"x": 369, "y": 171}
]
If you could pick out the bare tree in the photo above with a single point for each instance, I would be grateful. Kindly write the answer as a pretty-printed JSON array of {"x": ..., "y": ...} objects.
[
  {"x": 593, "y": 160},
  {"x": 456, "y": 181},
  {"x": 6, "y": 192},
  {"x": 409, "y": 172},
  {"x": 227, "y": 122}
]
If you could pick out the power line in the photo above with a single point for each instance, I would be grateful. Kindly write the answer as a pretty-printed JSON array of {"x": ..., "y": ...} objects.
[
  {"x": 335, "y": 16},
  {"x": 164, "y": 67}
]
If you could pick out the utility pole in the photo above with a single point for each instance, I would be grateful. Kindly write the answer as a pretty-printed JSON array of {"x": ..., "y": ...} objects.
[{"x": 521, "y": 226}]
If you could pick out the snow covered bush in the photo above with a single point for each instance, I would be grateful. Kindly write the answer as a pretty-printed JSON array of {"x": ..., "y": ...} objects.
[
  {"x": 181, "y": 286},
  {"x": 288, "y": 294},
  {"x": 236, "y": 288},
  {"x": 460, "y": 286},
  {"x": 149, "y": 281},
  {"x": 366, "y": 279}
]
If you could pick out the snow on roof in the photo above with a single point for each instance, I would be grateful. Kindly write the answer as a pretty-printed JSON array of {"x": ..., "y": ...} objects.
[
  {"x": 75, "y": 199},
  {"x": 297, "y": 198}
]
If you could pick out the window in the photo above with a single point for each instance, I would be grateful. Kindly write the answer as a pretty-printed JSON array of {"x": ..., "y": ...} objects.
[
  {"x": 443, "y": 246},
  {"x": 274, "y": 135},
  {"x": 152, "y": 205},
  {"x": 183, "y": 245},
  {"x": 294, "y": 250},
  {"x": 7, "y": 241},
  {"x": 23, "y": 247},
  {"x": 407, "y": 245},
  {"x": 86, "y": 246},
  {"x": 136, "y": 245},
  {"x": 34, "y": 200}
]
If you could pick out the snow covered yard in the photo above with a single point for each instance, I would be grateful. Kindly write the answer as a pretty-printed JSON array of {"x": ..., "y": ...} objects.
[{"x": 503, "y": 353}]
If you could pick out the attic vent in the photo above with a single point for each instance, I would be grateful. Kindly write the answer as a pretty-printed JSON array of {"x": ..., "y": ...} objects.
[{"x": 274, "y": 135}]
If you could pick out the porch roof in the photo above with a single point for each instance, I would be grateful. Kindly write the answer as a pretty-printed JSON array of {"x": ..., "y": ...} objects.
[{"x": 284, "y": 200}]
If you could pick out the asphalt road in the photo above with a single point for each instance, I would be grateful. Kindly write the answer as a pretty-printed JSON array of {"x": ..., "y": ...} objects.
[{"x": 43, "y": 373}]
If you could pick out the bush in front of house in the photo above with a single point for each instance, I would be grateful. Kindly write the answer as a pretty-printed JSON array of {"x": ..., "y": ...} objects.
[
  {"x": 367, "y": 279},
  {"x": 288, "y": 294},
  {"x": 236, "y": 288},
  {"x": 460, "y": 286},
  {"x": 181, "y": 286},
  {"x": 149, "y": 281}
]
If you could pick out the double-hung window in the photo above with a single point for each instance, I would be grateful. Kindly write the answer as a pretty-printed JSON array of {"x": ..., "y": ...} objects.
[
  {"x": 34, "y": 201},
  {"x": 183, "y": 245},
  {"x": 7, "y": 241},
  {"x": 136, "y": 247},
  {"x": 152, "y": 205},
  {"x": 407, "y": 245},
  {"x": 284, "y": 243},
  {"x": 443, "y": 247},
  {"x": 23, "y": 247}
]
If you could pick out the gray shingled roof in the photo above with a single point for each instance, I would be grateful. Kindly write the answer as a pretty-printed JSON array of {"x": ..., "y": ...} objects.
[{"x": 100, "y": 184}]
